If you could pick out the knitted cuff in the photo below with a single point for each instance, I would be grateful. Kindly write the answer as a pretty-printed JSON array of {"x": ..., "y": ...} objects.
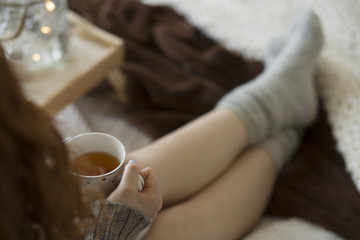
[{"x": 115, "y": 221}]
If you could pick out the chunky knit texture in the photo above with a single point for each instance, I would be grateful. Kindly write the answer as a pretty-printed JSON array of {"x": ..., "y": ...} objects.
[{"x": 116, "y": 221}]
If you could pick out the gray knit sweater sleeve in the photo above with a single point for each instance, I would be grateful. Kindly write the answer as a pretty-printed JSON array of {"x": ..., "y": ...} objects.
[{"x": 115, "y": 221}]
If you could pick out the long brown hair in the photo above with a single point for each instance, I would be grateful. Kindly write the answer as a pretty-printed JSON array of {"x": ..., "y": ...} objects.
[{"x": 39, "y": 198}]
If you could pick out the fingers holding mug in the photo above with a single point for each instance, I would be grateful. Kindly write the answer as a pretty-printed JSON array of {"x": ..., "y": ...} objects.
[
  {"x": 131, "y": 176},
  {"x": 148, "y": 200}
]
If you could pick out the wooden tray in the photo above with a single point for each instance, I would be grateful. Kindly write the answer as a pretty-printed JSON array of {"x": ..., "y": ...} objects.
[{"x": 94, "y": 53}]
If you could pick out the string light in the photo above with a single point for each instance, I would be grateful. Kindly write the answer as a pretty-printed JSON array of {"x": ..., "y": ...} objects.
[
  {"x": 50, "y": 6},
  {"x": 45, "y": 29},
  {"x": 36, "y": 57}
]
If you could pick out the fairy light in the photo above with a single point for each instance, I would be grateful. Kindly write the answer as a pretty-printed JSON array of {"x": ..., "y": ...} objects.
[
  {"x": 45, "y": 29},
  {"x": 36, "y": 57},
  {"x": 50, "y": 6}
]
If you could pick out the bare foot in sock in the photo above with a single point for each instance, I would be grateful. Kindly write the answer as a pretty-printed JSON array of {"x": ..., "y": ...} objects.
[
  {"x": 277, "y": 43},
  {"x": 284, "y": 95},
  {"x": 274, "y": 48}
]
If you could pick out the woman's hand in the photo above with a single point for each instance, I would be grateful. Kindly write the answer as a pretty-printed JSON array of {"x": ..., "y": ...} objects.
[{"x": 149, "y": 201}]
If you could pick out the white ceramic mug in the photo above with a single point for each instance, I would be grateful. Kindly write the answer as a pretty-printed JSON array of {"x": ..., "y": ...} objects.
[{"x": 96, "y": 141}]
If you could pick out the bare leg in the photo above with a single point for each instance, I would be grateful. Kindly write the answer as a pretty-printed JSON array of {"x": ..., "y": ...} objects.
[
  {"x": 217, "y": 197},
  {"x": 226, "y": 209},
  {"x": 282, "y": 97},
  {"x": 201, "y": 150}
]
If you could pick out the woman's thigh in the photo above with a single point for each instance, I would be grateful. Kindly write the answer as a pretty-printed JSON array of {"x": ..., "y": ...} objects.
[
  {"x": 227, "y": 208},
  {"x": 187, "y": 159}
]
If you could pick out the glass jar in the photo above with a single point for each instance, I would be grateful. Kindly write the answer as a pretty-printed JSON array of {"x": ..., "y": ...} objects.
[{"x": 34, "y": 33}]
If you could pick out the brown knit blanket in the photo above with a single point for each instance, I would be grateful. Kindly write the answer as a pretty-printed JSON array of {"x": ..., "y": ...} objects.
[{"x": 176, "y": 73}]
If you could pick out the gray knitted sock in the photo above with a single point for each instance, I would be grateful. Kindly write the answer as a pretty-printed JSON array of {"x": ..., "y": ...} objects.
[
  {"x": 274, "y": 48},
  {"x": 277, "y": 43},
  {"x": 282, "y": 146},
  {"x": 284, "y": 94}
]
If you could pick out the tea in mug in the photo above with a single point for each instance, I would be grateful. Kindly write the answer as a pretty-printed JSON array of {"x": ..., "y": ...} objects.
[{"x": 94, "y": 163}]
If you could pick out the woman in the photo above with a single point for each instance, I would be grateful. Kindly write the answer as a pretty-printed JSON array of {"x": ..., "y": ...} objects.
[{"x": 215, "y": 174}]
